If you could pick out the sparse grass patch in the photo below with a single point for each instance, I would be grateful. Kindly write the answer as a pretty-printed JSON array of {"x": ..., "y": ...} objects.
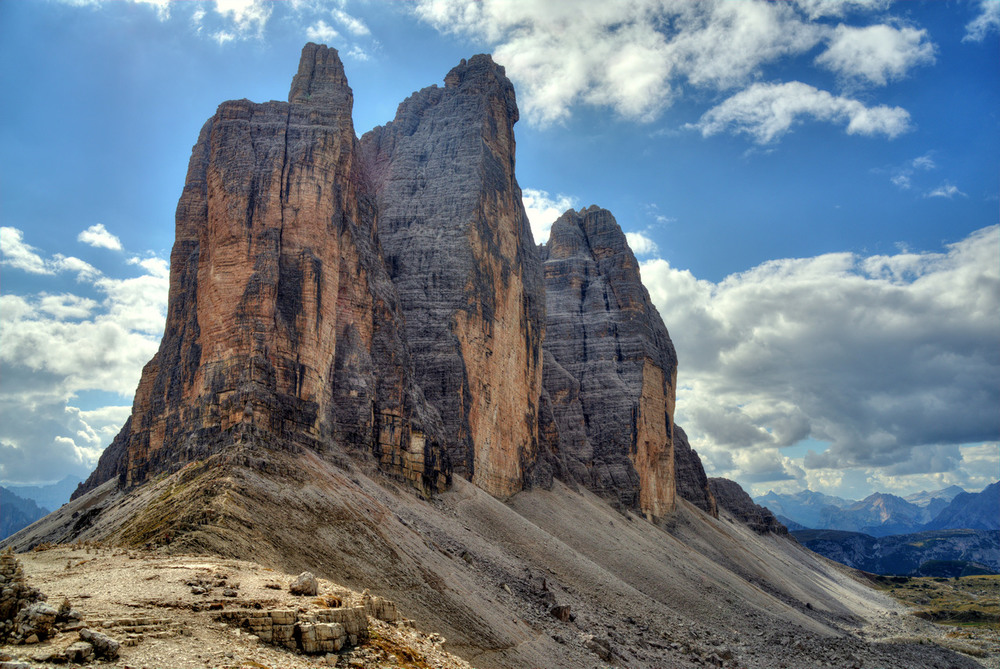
[{"x": 967, "y": 601}]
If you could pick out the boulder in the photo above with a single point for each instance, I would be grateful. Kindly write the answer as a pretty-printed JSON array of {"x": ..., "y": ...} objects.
[
  {"x": 80, "y": 652},
  {"x": 36, "y": 620},
  {"x": 304, "y": 585},
  {"x": 104, "y": 646}
]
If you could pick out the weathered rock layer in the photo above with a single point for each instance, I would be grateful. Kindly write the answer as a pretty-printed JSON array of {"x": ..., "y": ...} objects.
[
  {"x": 611, "y": 369},
  {"x": 459, "y": 248}
]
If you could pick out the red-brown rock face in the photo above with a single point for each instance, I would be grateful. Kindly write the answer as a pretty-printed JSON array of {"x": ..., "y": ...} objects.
[
  {"x": 610, "y": 367},
  {"x": 458, "y": 246},
  {"x": 282, "y": 327}
]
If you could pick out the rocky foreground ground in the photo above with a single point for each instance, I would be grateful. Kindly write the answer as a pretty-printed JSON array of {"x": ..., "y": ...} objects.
[
  {"x": 189, "y": 612},
  {"x": 196, "y": 611}
]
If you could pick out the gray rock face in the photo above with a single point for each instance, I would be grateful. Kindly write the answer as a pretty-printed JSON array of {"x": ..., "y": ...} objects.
[
  {"x": 283, "y": 329},
  {"x": 692, "y": 483},
  {"x": 458, "y": 246},
  {"x": 731, "y": 497},
  {"x": 610, "y": 367}
]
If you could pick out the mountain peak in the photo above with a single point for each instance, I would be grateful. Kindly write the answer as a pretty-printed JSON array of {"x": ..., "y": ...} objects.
[
  {"x": 321, "y": 77},
  {"x": 479, "y": 75}
]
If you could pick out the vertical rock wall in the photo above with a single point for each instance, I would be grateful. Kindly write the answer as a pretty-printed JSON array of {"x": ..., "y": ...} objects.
[
  {"x": 283, "y": 325},
  {"x": 611, "y": 379},
  {"x": 458, "y": 246}
]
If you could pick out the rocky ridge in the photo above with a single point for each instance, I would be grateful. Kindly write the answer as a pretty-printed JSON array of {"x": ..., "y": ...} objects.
[{"x": 731, "y": 497}]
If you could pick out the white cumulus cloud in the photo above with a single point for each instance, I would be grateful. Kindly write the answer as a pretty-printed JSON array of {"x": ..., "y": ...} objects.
[
  {"x": 57, "y": 347},
  {"x": 99, "y": 237},
  {"x": 641, "y": 244},
  {"x": 889, "y": 359},
  {"x": 876, "y": 54},
  {"x": 321, "y": 32},
  {"x": 640, "y": 57},
  {"x": 767, "y": 111},
  {"x": 630, "y": 57}
]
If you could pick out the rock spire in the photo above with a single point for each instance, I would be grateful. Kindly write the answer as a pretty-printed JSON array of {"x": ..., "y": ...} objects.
[
  {"x": 610, "y": 367},
  {"x": 459, "y": 249}
]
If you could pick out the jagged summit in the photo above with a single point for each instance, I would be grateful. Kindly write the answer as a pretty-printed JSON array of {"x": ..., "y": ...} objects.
[
  {"x": 480, "y": 75},
  {"x": 321, "y": 77}
]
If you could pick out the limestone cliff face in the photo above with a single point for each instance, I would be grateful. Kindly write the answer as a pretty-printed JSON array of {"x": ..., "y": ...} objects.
[
  {"x": 610, "y": 367},
  {"x": 459, "y": 249},
  {"x": 692, "y": 483},
  {"x": 283, "y": 327}
]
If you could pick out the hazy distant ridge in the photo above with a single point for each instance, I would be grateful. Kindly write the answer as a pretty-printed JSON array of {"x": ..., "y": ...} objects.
[
  {"x": 884, "y": 514},
  {"x": 16, "y": 512}
]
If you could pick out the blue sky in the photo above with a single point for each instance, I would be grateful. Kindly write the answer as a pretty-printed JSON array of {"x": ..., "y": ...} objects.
[{"x": 811, "y": 187}]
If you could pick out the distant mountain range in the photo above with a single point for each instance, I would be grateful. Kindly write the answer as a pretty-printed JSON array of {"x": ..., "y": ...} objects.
[
  {"x": 17, "y": 512},
  {"x": 946, "y": 553},
  {"x": 50, "y": 496},
  {"x": 977, "y": 511},
  {"x": 21, "y": 505},
  {"x": 883, "y": 514}
]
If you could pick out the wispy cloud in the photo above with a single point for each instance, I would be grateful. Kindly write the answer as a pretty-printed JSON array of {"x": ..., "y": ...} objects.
[
  {"x": 902, "y": 176},
  {"x": 945, "y": 190},
  {"x": 987, "y": 21},
  {"x": 766, "y": 112},
  {"x": 353, "y": 24}
]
